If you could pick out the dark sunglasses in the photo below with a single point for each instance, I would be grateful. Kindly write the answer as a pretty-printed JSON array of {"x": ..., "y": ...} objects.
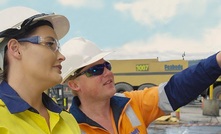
[{"x": 95, "y": 70}]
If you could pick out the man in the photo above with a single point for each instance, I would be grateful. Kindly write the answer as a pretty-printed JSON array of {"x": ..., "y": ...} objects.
[{"x": 98, "y": 109}]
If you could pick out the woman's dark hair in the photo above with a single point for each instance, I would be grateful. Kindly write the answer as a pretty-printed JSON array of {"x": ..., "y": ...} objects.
[{"x": 18, "y": 34}]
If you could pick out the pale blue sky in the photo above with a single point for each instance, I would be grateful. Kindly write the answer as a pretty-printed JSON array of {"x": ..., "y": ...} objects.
[{"x": 140, "y": 28}]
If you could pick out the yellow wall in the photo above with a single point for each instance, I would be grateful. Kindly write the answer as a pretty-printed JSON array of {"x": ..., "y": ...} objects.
[{"x": 149, "y": 70}]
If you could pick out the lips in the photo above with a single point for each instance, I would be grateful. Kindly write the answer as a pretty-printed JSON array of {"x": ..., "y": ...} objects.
[
  {"x": 108, "y": 82},
  {"x": 59, "y": 66}
]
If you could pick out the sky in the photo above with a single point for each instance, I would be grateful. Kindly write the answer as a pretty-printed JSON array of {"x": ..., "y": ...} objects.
[{"x": 140, "y": 29}]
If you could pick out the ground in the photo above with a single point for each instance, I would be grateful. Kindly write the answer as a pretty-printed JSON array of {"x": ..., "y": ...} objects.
[{"x": 192, "y": 121}]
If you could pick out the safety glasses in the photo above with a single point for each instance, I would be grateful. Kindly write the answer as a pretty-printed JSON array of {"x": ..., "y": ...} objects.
[
  {"x": 50, "y": 42},
  {"x": 95, "y": 70}
]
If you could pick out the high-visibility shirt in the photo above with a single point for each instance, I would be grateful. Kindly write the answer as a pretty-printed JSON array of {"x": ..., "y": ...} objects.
[
  {"x": 134, "y": 111},
  {"x": 18, "y": 117}
]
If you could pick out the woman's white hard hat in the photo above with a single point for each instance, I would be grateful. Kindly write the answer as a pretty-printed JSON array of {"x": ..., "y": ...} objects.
[{"x": 13, "y": 17}]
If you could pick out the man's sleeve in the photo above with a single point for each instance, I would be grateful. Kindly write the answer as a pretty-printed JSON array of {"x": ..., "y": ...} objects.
[{"x": 186, "y": 85}]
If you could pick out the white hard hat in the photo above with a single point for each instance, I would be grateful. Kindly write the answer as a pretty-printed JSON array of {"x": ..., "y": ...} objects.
[
  {"x": 13, "y": 17},
  {"x": 79, "y": 52}
]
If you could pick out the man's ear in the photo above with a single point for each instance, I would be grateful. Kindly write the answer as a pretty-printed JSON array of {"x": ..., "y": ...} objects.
[
  {"x": 73, "y": 85},
  {"x": 14, "y": 48}
]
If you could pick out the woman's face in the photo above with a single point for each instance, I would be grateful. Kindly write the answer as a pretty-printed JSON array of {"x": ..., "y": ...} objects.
[{"x": 39, "y": 62}]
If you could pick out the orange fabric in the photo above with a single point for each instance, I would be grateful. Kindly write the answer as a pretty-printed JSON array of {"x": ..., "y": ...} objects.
[
  {"x": 144, "y": 103},
  {"x": 113, "y": 123}
]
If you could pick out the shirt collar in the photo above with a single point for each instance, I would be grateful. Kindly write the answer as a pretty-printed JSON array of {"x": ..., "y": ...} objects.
[
  {"x": 117, "y": 104},
  {"x": 16, "y": 104}
]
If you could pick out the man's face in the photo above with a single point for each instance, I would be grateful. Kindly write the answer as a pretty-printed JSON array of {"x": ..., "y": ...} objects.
[{"x": 96, "y": 87}]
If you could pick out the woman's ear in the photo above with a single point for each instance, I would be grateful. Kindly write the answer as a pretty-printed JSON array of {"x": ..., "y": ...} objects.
[{"x": 14, "y": 48}]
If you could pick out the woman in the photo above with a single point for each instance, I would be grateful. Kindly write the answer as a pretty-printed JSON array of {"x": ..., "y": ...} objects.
[{"x": 31, "y": 63}]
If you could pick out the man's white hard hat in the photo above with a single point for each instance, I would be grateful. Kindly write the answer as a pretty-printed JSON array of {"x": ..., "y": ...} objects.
[{"x": 79, "y": 52}]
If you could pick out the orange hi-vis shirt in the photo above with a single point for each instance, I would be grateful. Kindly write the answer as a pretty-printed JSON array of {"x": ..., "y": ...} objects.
[{"x": 132, "y": 113}]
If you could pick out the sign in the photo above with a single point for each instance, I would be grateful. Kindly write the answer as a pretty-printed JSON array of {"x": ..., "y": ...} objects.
[
  {"x": 173, "y": 67},
  {"x": 142, "y": 67}
]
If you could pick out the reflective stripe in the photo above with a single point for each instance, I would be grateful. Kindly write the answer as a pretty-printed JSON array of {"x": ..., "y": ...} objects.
[
  {"x": 132, "y": 116},
  {"x": 82, "y": 132},
  {"x": 130, "y": 113},
  {"x": 164, "y": 103},
  {"x": 119, "y": 94}
]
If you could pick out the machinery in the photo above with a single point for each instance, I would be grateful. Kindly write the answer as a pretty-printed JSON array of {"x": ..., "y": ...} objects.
[
  {"x": 58, "y": 95},
  {"x": 136, "y": 74}
]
